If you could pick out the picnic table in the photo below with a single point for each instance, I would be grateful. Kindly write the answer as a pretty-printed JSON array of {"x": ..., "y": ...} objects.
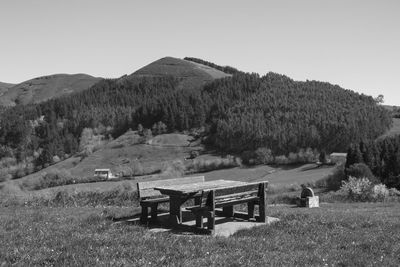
[{"x": 179, "y": 194}]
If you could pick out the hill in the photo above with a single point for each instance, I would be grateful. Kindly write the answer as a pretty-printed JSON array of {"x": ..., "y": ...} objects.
[
  {"x": 4, "y": 87},
  {"x": 43, "y": 88},
  {"x": 258, "y": 117},
  {"x": 191, "y": 74}
]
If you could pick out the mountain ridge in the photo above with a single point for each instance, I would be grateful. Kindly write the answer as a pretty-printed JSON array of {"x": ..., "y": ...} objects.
[{"x": 42, "y": 88}]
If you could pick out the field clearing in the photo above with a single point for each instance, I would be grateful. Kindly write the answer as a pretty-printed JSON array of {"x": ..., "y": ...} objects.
[
  {"x": 365, "y": 234},
  {"x": 279, "y": 175},
  {"x": 394, "y": 130},
  {"x": 275, "y": 176}
]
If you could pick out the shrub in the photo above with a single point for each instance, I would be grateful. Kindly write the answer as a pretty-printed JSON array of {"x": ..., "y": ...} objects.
[
  {"x": 360, "y": 170},
  {"x": 263, "y": 155},
  {"x": 137, "y": 168},
  {"x": 175, "y": 168},
  {"x": 194, "y": 154},
  {"x": 380, "y": 192},
  {"x": 357, "y": 189},
  {"x": 53, "y": 178},
  {"x": 322, "y": 157},
  {"x": 281, "y": 160},
  {"x": 20, "y": 172},
  {"x": 202, "y": 165},
  {"x": 4, "y": 175},
  {"x": 393, "y": 192},
  {"x": 333, "y": 181},
  {"x": 248, "y": 157}
]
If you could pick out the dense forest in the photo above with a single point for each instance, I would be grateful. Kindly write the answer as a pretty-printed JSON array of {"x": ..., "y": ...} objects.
[
  {"x": 239, "y": 113},
  {"x": 381, "y": 156}
]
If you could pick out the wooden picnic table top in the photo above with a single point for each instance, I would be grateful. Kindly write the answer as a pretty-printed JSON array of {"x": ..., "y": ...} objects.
[{"x": 196, "y": 187}]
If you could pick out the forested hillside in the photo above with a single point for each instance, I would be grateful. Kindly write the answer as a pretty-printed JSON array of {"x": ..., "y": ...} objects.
[{"x": 238, "y": 113}]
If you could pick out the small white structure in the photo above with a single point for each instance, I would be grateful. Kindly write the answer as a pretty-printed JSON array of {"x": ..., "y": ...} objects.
[
  {"x": 338, "y": 157},
  {"x": 104, "y": 173}
]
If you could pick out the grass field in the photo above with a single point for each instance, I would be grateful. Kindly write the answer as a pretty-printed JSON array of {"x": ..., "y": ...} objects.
[
  {"x": 275, "y": 175},
  {"x": 42, "y": 88},
  {"x": 365, "y": 234},
  {"x": 394, "y": 130}
]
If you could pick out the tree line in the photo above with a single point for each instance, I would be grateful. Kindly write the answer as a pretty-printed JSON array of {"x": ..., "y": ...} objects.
[
  {"x": 239, "y": 113},
  {"x": 381, "y": 156}
]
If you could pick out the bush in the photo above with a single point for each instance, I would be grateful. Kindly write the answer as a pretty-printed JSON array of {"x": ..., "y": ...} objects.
[
  {"x": 202, "y": 165},
  {"x": 194, "y": 154},
  {"x": 53, "y": 178},
  {"x": 360, "y": 170},
  {"x": 357, "y": 189},
  {"x": 175, "y": 168},
  {"x": 263, "y": 155},
  {"x": 380, "y": 192},
  {"x": 281, "y": 160},
  {"x": 393, "y": 192},
  {"x": 248, "y": 157},
  {"x": 4, "y": 175}
]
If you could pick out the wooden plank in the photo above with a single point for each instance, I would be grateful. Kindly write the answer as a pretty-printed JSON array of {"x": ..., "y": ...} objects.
[
  {"x": 197, "y": 187},
  {"x": 146, "y": 189},
  {"x": 235, "y": 202},
  {"x": 237, "y": 189}
]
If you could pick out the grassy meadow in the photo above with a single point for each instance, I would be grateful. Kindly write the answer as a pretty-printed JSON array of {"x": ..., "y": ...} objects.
[{"x": 364, "y": 234}]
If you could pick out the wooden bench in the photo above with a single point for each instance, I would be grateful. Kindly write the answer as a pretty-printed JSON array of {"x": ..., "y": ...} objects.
[
  {"x": 225, "y": 198},
  {"x": 150, "y": 198}
]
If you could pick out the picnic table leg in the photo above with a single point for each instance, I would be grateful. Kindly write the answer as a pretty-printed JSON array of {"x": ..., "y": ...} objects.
[
  {"x": 175, "y": 210},
  {"x": 227, "y": 211},
  {"x": 154, "y": 208},
  {"x": 144, "y": 214},
  {"x": 263, "y": 202},
  {"x": 199, "y": 218},
  {"x": 250, "y": 209}
]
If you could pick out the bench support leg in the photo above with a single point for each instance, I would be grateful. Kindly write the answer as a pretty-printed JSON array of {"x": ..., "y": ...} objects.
[
  {"x": 211, "y": 221},
  {"x": 227, "y": 211},
  {"x": 144, "y": 214},
  {"x": 175, "y": 210},
  {"x": 250, "y": 209},
  {"x": 154, "y": 208},
  {"x": 199, "y": 221},
  {"x": 263, "y": 203}
]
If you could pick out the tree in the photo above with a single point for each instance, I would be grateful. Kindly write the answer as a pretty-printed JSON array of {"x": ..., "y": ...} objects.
[{"x": 379, "y": 99}]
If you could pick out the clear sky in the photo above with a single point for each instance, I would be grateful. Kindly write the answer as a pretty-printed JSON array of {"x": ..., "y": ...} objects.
[{"x": 352, "y": 43}]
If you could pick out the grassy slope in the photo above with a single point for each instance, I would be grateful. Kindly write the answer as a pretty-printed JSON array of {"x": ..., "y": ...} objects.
[
  {"x": 194, "y": 75},
  {"x": 394, "y": 130},
  {"x": 124, "y": 151},
  {"x": 121, "y": 152},
  {"x": 335, "y": 234},
  {"x": 4, "y": 87},
  {"x": 275, "y": 175},
  {"x": 46, "y": 87}
]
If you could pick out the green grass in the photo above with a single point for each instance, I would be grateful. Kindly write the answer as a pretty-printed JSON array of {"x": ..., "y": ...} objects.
[
  {"x": 364, "y": 234},
  {"x": 42, "y": 88},
  {"x": 193, "y": 75},
  {"x": 284, "y": 175},
  {"x": 394, "y": 130}
]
